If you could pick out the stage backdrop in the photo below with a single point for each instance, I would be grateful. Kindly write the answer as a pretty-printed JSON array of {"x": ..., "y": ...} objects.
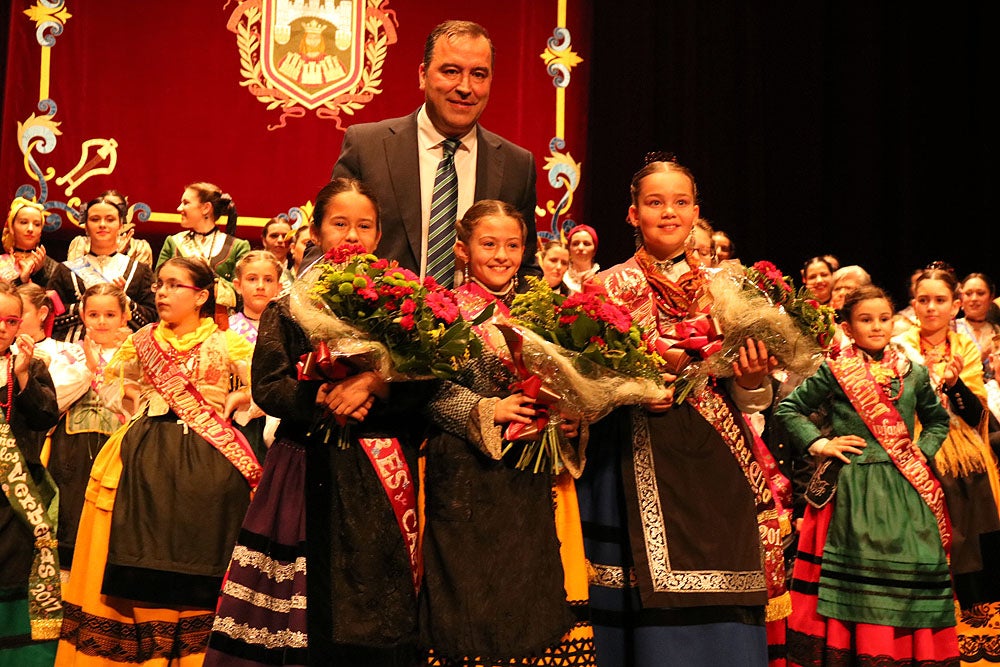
[{"x": 148, "y": 97}]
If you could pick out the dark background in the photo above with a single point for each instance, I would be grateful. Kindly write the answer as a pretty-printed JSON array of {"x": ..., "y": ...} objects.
[
  {"x": 862, "y": 129},
  {"x": 866, "y": 130}
]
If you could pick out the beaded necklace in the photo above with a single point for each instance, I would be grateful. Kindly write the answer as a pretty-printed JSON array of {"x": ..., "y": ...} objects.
[
  {"x": 8, "y": 404},
  {"x": 886, "y": 370}
]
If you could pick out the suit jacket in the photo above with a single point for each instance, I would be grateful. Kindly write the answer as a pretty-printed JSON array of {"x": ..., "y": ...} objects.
[{"x": 384, "y": 155}]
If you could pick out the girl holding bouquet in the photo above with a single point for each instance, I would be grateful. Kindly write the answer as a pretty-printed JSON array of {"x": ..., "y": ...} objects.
[
  {"x": 965, "y": 463},
  {"x": 168, "y": 490},
  {"x": 883, "y": 514},
  {"x": 361, "y": 545},
  {"x": 673, "y": 500},
  {"x": 495, "y": 590},
  {"x": 30, "y": 610}
]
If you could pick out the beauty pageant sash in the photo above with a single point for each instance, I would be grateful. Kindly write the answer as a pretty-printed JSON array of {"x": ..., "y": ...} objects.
[
  {"x": 45, "y": 609},
  {"x": 192, "y": 408},
  {"x": 717, "y": 412},
  {"x": 386, "y": 456},
  {"x": 243, "y": 327},
  {"x": 91, "y": 274},
  {"x": 886, "y": 424}
]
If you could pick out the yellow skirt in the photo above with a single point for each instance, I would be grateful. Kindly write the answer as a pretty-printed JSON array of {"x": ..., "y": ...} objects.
[{"x": 102, "y": 630}]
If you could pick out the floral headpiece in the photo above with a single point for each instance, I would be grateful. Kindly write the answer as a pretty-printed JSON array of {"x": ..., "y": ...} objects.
[{"x": 15, "y": 208}]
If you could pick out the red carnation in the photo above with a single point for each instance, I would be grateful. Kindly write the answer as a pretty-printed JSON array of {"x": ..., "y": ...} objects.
[{"x": 443, "y": 306}]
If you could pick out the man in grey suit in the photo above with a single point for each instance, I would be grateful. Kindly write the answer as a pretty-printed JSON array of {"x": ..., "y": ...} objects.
[{"x": 398, "y": 157}]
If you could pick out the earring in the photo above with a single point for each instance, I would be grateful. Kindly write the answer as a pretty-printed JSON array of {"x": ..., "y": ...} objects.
[
  {"x": 515, "y": 282},
  {"x": 465, "y": 273}
]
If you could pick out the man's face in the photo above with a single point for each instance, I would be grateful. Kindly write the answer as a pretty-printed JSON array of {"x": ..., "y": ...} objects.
[{"x": 456, "y": 83}]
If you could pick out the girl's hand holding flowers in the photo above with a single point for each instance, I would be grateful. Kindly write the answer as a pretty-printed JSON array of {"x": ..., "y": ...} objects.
[
  {"x": 353, "y": 396},
  {"x": 667, "y": 402},
  {"x": 569, "y": 426},
  {"x": 514, "y": 408},
  {"x": 753, "y": 365}
]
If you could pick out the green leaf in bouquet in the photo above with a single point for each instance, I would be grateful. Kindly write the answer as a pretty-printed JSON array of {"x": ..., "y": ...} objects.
[
  {"x": 485, "y": 316},
  {"x": 582, "y": 330}
]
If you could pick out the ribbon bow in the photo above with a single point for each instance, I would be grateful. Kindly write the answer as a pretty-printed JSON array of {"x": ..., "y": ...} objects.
[
  {"x": 697, "y": 337},
  {"x": 530, "y": 385},
  {"x": 319, "y": 364}
]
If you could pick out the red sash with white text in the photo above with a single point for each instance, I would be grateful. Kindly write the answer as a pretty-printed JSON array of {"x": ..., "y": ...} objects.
[
  {"x": 888, "y": 427},
  {"x": 192, "y": 408},
  {"x": 386, "y": 456}
]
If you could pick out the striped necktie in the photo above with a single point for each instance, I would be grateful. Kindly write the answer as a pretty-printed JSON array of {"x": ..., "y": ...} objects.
[{"x": 444, "y": 211}]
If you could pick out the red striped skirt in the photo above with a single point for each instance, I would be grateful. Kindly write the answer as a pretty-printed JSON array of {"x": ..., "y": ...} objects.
[{"x": 815, "y": 640}]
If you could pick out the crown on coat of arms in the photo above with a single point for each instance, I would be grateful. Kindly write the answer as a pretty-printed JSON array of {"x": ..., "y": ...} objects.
[{"x": 314, "y": 27}]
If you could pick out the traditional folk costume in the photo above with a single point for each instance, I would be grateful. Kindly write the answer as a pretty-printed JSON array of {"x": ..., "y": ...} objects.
[
  {"x": 574, "y": 280},
  {"x": 967, "y": 468},
  {"x": 497, "y": 588},
  {"x": 675, "y": 506},
  {"x": 357, "y": 506},
  {"x": 84, "y": 427},
  {"x": 52, "y": 275},
  {"x": 67, "y": 366},
  {"x": 90, "y": 270},
  {"x": 871, "y": 581},
  {"x": 139, "y": 249},
  {"x": 250, "y": 420},
  {"x": 222, "y": 252},
  {"x": 30, "y": 599},
  {"x": 165, "y": 501}
]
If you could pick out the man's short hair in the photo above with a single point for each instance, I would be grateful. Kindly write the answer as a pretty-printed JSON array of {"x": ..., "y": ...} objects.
[{"x": 452, "y": 29}]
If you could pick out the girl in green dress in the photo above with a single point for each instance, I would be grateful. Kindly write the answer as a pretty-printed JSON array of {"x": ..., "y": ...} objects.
[{"x": 871, "y": 581}]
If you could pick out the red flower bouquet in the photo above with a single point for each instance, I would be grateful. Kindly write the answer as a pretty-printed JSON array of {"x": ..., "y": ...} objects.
[
  {"x": 581, "y": 354},
  {"x": 365, "y": 313},
  {"x": 373, "y": 309},
  {"x": 756, "y": 302}
]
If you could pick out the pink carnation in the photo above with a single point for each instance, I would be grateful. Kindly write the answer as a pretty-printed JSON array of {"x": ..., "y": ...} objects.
[
  {"x": 406, "y": 321},
  {"x": 408, "y": 307},
  {"x": 616, "y": 316}
]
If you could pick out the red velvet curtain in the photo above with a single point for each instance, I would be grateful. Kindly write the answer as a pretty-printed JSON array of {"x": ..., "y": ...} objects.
[{"x": 163, "y": 82}]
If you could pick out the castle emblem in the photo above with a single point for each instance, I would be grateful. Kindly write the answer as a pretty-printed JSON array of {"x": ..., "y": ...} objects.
[{"x": 313, "y": 55}]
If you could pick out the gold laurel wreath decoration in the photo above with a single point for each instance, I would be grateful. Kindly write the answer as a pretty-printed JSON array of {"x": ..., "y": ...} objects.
[{"x": 376, "y": 47}]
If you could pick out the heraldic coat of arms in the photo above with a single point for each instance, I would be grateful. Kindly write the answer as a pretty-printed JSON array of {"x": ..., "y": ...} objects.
[{"x": 322, "y": 55}]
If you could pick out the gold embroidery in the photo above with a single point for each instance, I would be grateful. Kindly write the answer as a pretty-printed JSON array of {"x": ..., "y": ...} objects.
[{"x": 610, "y": 576}]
